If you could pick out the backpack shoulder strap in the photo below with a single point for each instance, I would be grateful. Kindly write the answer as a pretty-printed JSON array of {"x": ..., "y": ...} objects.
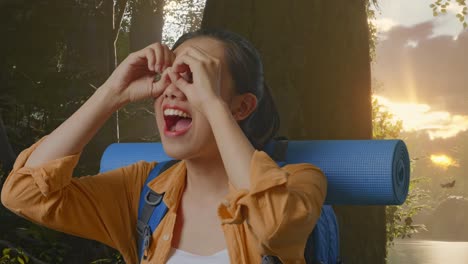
[
  {"x": 151, "y": 209},
  {"x": 323, "y": 245}
]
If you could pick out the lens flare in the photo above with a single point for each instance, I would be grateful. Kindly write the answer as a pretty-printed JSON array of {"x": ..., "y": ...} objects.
[{"x": 443, "y": 161}]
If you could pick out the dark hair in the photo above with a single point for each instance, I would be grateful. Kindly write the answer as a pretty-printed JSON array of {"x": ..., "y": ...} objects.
[{"x": 246, "y": 68}]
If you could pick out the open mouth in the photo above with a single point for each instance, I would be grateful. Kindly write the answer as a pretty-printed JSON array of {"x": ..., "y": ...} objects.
[{"x": 177, "y": 122}]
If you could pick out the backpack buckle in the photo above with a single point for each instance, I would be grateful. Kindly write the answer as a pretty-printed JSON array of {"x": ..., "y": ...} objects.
[
  {"x": 146, "y": 237},
  {"x": 153, "y": 198}
]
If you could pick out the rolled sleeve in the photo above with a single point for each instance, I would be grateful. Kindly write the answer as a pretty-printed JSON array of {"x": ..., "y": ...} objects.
[
  {"x": 281, "y": 208},
  {"x": 100, "y": 207},
  {"x": 50, "y": 176},
  {"x": 53, "y": 175}
]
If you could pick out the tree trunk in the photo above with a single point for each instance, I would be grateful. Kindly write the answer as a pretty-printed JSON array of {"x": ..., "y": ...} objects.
[
  {"x": 146, "y": 24},
  {"x": 7, "y": 155},
  {"x": 316, "y": 57}
]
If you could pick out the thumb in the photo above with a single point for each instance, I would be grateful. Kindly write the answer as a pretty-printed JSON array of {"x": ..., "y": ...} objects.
[
  {"x": 158, "y": 87},
  {"x": 180, "y": 82}
]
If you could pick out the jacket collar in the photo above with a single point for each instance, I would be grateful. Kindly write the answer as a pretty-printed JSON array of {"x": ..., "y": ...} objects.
[{"x": 172, "y": 183}]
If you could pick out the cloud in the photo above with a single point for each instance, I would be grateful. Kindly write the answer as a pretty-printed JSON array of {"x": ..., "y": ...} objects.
[
  {"x": 383, "y": 24},
  {"x": 420, "y": 117},
  {"x": 415, "y": 67}
]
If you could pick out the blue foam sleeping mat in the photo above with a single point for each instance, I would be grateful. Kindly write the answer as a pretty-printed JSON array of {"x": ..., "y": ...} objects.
[{"x": 359, "y": 172}]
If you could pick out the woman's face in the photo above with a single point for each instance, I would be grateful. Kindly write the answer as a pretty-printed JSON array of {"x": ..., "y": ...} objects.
[{"x": 190, "y": 137}]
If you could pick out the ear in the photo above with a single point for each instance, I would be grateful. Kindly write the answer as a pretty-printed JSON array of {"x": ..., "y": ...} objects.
[{"x": 243, "y": 105}]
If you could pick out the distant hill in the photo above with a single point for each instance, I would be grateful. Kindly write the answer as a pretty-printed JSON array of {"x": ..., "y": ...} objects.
[{"x": 448, "y": 222}]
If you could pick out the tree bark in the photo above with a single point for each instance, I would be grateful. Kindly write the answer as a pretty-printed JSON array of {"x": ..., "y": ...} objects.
[
  {"x": 146, "y": 24},
  {"x": 7, "y": 155},
  {"x": 316, "y": 58}
]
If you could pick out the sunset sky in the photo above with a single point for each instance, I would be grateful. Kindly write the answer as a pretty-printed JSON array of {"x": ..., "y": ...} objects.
[
  {"x": 421, "y": 75},
  {"x": 421, "y": 69}
]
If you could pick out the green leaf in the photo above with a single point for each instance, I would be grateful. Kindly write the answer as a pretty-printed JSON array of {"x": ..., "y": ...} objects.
[
  {"x": 435, "y": 14},
  {"x": 465, "y": 25},
  {"x": 6, "y": 251},
  {"x": 432, "y": 5},
  {"x": 20, "y": 260},
  {"x": 443, "y": 10}
]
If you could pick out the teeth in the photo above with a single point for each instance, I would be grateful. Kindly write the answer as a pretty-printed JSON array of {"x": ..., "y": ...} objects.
[{"x": 172, "y": 112}]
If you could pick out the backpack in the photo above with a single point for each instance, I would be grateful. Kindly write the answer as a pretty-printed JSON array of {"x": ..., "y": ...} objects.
[{"x": 322, "y": 246}]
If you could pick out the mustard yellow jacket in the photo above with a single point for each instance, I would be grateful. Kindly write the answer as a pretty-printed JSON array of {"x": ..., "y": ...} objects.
[{"x": 274, "y": 217}]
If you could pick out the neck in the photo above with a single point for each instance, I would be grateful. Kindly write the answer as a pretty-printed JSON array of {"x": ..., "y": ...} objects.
[{"x": 206, "y": 178}]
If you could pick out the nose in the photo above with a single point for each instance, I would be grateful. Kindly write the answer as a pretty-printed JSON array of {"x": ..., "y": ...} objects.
[{"x": 172, "y": 92}]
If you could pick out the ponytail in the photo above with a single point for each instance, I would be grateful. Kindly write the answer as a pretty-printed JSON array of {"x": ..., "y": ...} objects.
[{"x": 264, "y": 122}]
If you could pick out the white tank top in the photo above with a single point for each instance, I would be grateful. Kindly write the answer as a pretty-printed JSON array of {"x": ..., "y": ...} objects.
[{"x": 178, "y": 256}]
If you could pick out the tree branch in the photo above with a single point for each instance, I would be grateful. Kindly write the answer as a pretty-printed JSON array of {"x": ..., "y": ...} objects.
[{"x": 118, "y": 16}]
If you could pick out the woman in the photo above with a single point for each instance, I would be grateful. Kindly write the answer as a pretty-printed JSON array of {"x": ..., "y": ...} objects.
[{"x": 228, "y": 201}]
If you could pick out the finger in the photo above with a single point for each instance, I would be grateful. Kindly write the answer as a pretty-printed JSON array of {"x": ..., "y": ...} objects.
[
  {"x": 191, "y": 51},
  {"x": 164, "y": 76},
  {"x": 161, "y": 85},
  {"x": 167, "y": 57},
  {"x": 179, "y": 82},
  {"x": 149, "y": 54},
  {"x": 173, "y": 57},
  {"x": 188, "y": 76},
  {"x": 185, "y": 63},
  {"x": 180, "y": 67},
  {"x": 159, "y": 53},
  {"x": 200, "y": 54}
]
